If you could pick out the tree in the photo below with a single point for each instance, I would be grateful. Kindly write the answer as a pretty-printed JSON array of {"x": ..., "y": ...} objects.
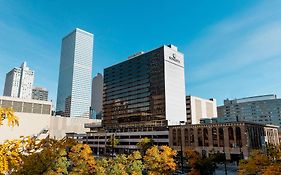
[
  {"x": 8, "y": 113},
  {"x": 273, "y": 169},
  {"x": 262, "y": 163},
  {"x": 121, "y": 165},
  {"x": 200, "y": 165},
  {"x": 145, "y": 144},
  {"x": 112, "y": 143},
  {"x": 28, "y": 156},
  {"x": 255, "y": 164},
  {"x": 160, "y": 161},
  {"x": 82, "y": 160}
]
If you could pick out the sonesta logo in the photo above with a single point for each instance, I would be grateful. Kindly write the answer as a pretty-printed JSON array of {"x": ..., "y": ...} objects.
[{"x": 173, "y": 57}]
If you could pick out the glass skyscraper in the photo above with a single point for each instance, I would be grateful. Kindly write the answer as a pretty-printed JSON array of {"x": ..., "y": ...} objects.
[{"x": 75, "y": 74}]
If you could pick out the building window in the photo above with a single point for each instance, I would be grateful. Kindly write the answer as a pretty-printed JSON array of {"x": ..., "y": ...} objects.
[
  {"x": 200, "y": 138},
  {"x": 205, "y": 136},
  {"x": 186, "y": 136},
  {"x": 231, "y": 137},
  {"x": 221, "y": 137},
  {"x": 215, "y": 137},
  {"x": 238, "y": 137}
]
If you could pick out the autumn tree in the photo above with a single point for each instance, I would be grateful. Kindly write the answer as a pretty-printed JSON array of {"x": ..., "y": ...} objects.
[
  {"x": 121, "y": 165},
  {"x": 160, "y": 161},
  {"x": 8, "y": 114},
  {"x": 112, "y": 142},
  {"x": 198, "y": 164},
  {"x": 259, "y": 162},
  {"x": 145, "y": 144},
  {"x": 28, "y": 156},
  {"x": 255, "y": 164}
]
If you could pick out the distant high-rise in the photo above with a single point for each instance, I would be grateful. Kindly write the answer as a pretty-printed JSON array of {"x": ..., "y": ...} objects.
[
  {"x": 97, "y": 92},
  {"x": 198, "y": 108},
  {"x": 39, "y": 93},
  {"x": 19, "y": 82},
  {"x": 264, "y": 109},
  {"x": 75, "y": 74}
]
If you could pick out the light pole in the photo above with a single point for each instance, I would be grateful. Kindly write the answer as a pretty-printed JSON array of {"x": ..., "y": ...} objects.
[
  {"x": 181, "y": 122},
  {"x": 225, "y": 170},
  {"x": 98, "y": 151}
]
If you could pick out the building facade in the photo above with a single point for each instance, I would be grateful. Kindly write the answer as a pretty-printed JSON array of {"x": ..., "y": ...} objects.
[
  {"x": 19, "y": 82},
  {"x": 265, "y": 109},
  {"x": 39, "y": 93},
  {"x": 235, "y": 139},
  {"x": 26, "y": 105},
  {"x": 98, "y": 141},
  {"x": 97, "y": 94},
  {"x": 75, "y": 75},
  {"x": 148, "y": 89},
  {"x": 198, "y": 108}
]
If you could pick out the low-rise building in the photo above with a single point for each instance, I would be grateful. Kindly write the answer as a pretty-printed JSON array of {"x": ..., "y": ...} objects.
[
  {"x": 235, "y": 139},
  {"x": 35, "y": 119}
]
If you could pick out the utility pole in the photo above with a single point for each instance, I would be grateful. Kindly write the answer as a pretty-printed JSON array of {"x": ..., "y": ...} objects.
[{"x": 181, "y": 146}]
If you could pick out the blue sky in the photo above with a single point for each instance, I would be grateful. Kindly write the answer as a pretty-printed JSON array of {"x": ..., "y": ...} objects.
[{"x": 232, "y": 48}]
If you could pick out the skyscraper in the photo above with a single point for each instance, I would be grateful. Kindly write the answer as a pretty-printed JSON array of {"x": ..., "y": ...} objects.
[
  {"x": 148, "y": 89},
  {"x": 19, "y": 82},
  {"x": 75, "y": 74},
  {"x": 40, "y": 93},
  {"x": 97, "y": 92}
]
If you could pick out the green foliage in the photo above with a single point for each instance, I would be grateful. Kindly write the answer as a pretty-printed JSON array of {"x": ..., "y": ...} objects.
[{"x": 145, "y": 144}]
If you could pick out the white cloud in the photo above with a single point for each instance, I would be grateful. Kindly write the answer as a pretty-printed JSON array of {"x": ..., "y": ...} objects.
[{"x": 239, "y": 41}]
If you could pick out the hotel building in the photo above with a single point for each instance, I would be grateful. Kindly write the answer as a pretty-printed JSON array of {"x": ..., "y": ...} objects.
[{"x": 147, "y": 90}]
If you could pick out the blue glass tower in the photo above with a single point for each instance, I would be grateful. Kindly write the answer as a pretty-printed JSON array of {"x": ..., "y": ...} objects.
[{"x": 75, "y": 74}]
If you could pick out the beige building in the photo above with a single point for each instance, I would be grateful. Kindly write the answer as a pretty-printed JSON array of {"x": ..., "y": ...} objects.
[
  {"x": 35, "y": 120},
  {"x": 235, "y": 138},
  {"x": 198, "y": 108}
]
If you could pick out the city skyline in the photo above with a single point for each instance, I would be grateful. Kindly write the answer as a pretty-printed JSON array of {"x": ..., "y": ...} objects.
[{"x": 244, "y": 35}]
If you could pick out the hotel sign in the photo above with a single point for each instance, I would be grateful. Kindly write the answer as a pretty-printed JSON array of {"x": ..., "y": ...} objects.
[{"x": 174, "y": 58}]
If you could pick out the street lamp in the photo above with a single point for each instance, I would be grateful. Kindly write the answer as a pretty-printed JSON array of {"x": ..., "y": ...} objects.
[{"x": 181, "y": 122}]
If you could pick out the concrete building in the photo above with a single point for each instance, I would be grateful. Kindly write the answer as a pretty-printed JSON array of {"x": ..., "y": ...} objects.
[
  {"x": 97, "y": 94},
  {"x": 39, "y": 93},
  {"x": 264, "y": 109},
  {"x": 19, "y": 82},
  {"x": 98, "y": 141},
  {"x": 147, "y": 90},
  {"x": 75, "y": 74},
  {"x": 198, "y": 108},
  {"x": 235, "y": 139},
  {"x": 35, "y": 120}
]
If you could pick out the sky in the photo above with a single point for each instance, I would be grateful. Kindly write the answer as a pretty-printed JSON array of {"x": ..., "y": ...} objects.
[{"x": 232, "y": 48}]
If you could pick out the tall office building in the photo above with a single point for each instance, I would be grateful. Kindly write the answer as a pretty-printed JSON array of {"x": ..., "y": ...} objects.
[
  {"x": 19, "y": 82},
  {"x": 40, "y": 93},
  {"x": 198, "y": 108},
  {"x": 264, "y": 109},
  {"x": 75, "y": 74},
  {"x": 148, "y": 89},
  {"x": 97, "y": 92}
]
